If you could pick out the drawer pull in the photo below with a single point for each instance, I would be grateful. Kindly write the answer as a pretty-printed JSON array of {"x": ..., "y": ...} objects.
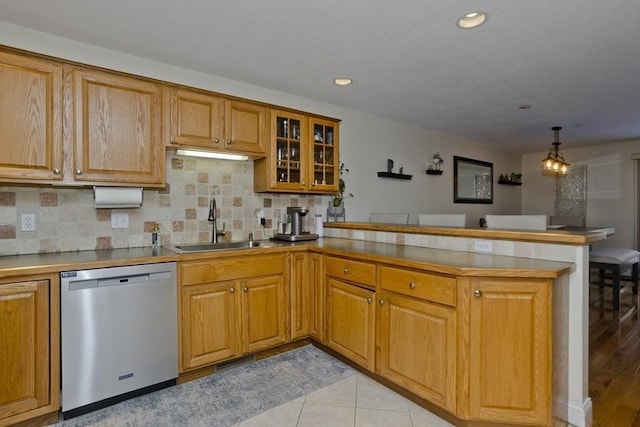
[
  {"x": 245, "y": 289},
  {"x": 412, "y": 285},
  {"x": 346, "y": 270},
  {"x": 369, "y": 300},
  {"x": 477, "y": 293},
  {"x": 232, "y": 290},
  {"x": 381, "y": 302}
]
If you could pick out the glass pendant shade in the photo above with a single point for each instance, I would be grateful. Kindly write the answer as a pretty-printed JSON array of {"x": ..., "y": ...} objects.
[{"x": 554, "y": 162}]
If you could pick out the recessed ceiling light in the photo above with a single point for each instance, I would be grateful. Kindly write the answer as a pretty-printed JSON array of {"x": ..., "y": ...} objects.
[
  {"x": 342, "y": 81},
  {"x": 472, "y": 20}
]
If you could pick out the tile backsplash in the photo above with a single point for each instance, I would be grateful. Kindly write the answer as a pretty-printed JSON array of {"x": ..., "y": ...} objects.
[{"x": 66, "y": 218}]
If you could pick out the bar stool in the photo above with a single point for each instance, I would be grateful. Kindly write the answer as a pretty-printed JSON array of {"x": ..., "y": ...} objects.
[{"x": 615, "y": 260}]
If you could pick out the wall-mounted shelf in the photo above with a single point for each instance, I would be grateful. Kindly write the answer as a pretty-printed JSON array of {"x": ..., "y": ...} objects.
[
  {"x": 510, "y": 179},
  {"x": 394, "y": 175},
  {"x": 434, "y": 172}
]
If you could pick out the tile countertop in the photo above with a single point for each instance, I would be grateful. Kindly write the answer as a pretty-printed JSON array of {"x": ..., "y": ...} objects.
[
  {"x": 566, "y": 236},
  {"x": 437, "y": 260}
]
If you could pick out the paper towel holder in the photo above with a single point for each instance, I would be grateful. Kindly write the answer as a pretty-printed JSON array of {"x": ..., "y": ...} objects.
[{"x": 117, "y": 197}]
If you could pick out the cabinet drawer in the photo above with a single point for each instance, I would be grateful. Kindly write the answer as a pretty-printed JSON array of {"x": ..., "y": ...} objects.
[
  {"x": 214, "y": 270},
  {"x": 352, "y": 271},
  {"x": 418, "y": 284}
]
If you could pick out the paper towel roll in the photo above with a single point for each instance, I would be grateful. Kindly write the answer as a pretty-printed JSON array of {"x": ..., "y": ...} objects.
[
  {"x": 319, "y": 226},
  {"x": 117, "y": 197}
]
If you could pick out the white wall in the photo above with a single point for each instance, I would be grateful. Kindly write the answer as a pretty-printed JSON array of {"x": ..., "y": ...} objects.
[
  {"x": 366, "y": 141},
  {"x": 610, "y": 188}
]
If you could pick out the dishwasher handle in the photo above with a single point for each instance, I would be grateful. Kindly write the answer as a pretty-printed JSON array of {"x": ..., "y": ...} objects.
[{"x": 123, "y": 280}]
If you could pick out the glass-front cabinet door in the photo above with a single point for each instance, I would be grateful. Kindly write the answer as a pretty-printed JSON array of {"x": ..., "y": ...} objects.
[
  {"x": 290, "y": 154},
  {"x": 302, "y": 156},
  {"x": 323, "y": 140}
]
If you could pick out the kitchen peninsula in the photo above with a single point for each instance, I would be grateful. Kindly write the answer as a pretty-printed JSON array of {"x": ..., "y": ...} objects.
[{"x": 570, "y": 294}]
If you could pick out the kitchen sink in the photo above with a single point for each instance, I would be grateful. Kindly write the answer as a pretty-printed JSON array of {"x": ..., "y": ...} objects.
[{"x": 207, "y": 247}]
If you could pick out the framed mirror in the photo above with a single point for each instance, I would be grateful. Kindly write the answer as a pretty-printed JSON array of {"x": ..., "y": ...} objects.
[{"x": 472, "y": 181}]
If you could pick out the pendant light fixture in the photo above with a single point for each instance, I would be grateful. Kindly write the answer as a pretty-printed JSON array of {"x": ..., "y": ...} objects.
[{"x": 554, "y": 162}]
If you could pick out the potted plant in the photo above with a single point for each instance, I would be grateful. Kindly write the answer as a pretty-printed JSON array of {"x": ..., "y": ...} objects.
[{"x": 336, "y": 205}]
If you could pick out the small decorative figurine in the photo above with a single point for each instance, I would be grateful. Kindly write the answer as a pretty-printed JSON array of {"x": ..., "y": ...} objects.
[{"x": 437, "y": 161}]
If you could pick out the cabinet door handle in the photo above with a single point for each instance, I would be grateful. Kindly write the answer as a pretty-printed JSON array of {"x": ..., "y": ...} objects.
[
  {"x": 477, "y": 293},
  {"x": 369, "y": 300},
  {"x": 56, "y": 171},
  {"x": 232, "y": 290},
  {"x": 412, "y": 285},
  {"x": 245, "y": 289},
  {"x": 216, "y": 140},
  {"x": 228, "y": 142},
  {"x": 79, "y": 172},
  {"x": 381, "y": 302},
  {"x": 346, "y": 270}
]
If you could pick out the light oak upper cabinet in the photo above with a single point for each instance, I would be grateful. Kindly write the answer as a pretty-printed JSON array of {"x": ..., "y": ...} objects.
[
  {"x": 29, "y": 364},
  {"x": 206, "y": 121},
  {"x": 510, "y": 350},
  {"x": 302, "y": 155},
  {"x": 285, "y": 167},
  {"x": 118, "y": 130},
  {"x": 323, "y": 155},
  {"x": 31, "y": 147}
]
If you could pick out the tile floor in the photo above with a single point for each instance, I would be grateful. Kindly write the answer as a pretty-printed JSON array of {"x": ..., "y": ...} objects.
[{"x": 357, "y": 401}]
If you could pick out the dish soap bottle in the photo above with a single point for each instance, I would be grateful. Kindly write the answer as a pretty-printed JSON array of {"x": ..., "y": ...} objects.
[{"x": 155, "y": 236}]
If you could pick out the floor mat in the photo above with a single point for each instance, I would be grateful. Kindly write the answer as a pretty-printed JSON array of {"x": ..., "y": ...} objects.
[{"x": 228, "y": 397}]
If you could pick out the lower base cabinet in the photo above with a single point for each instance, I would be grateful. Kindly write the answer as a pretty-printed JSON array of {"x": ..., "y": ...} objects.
[
  {"x": 478, "y": 347},
  {"x": 317, "y": 297},
  {"x": 202, "y": 307},
  {"x": 351, "y": 322},
  {"x": 416, "y": 347},
  {"x": 509, "y": 357},
  {"x": 29, "y": 349},
  {"x": 231, "y": 306},
  {"x": 301, "y": 289},
  {"x": 264, "y": 313}
]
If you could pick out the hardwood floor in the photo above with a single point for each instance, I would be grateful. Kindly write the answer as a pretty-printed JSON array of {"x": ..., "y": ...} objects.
[{"x": 614, "y": 358}]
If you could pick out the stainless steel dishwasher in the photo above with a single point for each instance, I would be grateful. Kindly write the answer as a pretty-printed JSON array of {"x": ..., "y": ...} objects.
[{"x": 119, "y": 334}]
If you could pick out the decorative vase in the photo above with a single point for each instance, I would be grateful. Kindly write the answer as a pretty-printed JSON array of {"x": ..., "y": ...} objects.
[{"x": 335, "y": 212}]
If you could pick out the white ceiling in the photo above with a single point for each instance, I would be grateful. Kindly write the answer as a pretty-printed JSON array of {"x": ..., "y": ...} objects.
[{"x": 576, "y": 62}]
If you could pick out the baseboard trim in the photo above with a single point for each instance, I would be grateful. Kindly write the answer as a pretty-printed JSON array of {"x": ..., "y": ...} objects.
[{"x": 582, "y": 416}]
